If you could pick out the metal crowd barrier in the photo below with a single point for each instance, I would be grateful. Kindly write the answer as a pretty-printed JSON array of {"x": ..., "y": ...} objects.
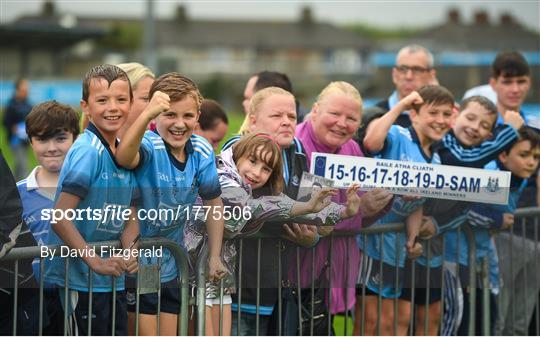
[
  {"x": 525, "y": 238},
  {"x": 524, "y": 218},
  {"x": 478, "y": 274},
  {"x": 176, "y": 251}
]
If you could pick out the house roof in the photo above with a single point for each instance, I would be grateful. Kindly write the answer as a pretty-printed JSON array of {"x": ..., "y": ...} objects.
[
  {"x": 50, "y": 32},
  {"x": 263, "y": 34},
  {"x": 474, "y": 37}
]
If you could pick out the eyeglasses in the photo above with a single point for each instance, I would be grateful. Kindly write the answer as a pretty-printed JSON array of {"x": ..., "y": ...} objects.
[{"x": 415, "y": 70}]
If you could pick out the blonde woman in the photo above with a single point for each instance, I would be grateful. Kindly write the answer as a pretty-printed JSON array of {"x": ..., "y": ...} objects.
[
  {"x": 272, "y": 110},
  {"x": 334, "y": 120},
  {"x": 141, "y": 78}
]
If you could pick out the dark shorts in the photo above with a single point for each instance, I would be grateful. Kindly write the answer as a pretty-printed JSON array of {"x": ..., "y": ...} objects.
[
  {"x": 148, "y": 303},
  {"x": 102, "y": 323},
  {"x": 53, "y": 314},
  {"x": 465, "y": 277},
  {"x": 27, "y": 312},
  {"x": 388, "y": 284},
  {"x": 421, "y": 285}
]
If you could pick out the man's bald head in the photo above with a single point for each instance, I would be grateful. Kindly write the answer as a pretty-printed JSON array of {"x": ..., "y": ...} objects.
[{"x": 413, "y": 69}]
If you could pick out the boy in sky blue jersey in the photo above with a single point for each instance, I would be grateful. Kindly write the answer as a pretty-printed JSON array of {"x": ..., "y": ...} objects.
[
  {"x": 522, "y": 160},
  {"x": 52, "y": 128},
  {"x": 431, "y": 115},
  {"x": 472, "y": 142},
  {"x": 91, "y": 179},
  {"x": 172, "y": 167}
]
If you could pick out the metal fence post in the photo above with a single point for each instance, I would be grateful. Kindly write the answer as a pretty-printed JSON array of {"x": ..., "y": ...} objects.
[
  {"x": 313, "y": 255},
  {"x": 427, "y": 289},
  {"x": 113, "y": 325},
  {"x": 221, "y": 307},
  {"x": 41, "y": 290},
  {"x": 441, "y": 316},
  {"x": 15, "y": 296},
  {"x": 413, "y": 293},
  {"x": 397, "y": 287},
  {"x": 238, "y": 316},
  {"x": 486, "y": 320},
  {"x": 472, "y": 276},
  {"x": 258, "y": 296},
  {"x": 201, "y": 291},
  {"x": 364, "y": 279},
  {"x": 67, "y": 300},
  {"x": 90, "y": 294},
  {"x": 379, "y": 295},
  {"x": 280, "y": 295},
  {"x": 329, "y": 273},
  {"x": 536, "y": 278},
  {"x": 525, "y": 257},
  {"x": 346, "y": 288},
  {"x": 299, "y": 291},
  {"x": 158, "y": 309},
  {"x": 137, "y": 303}
]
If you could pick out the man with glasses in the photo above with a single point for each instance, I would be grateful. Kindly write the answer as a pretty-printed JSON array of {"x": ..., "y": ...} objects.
[{"x": 413, "y": 70}]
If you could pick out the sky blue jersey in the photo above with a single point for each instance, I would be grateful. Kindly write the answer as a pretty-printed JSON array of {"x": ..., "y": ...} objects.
[
  {"x": 401, "y": 144},
  {"x": 34, "y": 199},
  {"x": 91, "y": 173},
  {"x": 483, "y": 218},
  {"x": 167, "y": 184}
]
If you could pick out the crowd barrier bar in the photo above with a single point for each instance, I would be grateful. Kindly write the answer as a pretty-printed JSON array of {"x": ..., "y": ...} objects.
[
  {"x": 180, "y": 256},
  {"x": 478, "y": 275},
  {"x": 201, "y": 278},
  {"x": 176, "y": 251},
  {"x": 520, "y": 217}
]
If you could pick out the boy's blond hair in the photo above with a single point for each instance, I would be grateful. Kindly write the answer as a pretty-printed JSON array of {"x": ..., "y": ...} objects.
[
  {"x": 177, "y": 87},
  {"x": 258, "y": 98}
]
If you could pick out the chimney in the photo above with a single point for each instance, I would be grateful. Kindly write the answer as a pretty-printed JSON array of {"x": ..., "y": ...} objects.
[
  {"x": 181, "y": 14},
  {"x": 481, "y": 18},
  {"x": 507, "y": 19},
  {"x": 48, "y": 9},
  {"x": 306, "y": 17},
  {"x": 453, "y": 16}
]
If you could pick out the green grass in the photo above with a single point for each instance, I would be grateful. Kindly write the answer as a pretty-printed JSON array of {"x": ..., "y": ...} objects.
[
  {"x": 4, "y": 147},
  {"x": 377, "y": 33},
  {"x": 235, "y": 121}
]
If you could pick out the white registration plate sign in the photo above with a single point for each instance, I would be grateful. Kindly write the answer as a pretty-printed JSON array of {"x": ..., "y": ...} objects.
[{"x": 417, "y": 179}]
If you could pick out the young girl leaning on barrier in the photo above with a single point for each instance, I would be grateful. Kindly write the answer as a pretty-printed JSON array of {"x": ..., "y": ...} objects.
[{"x": 251, "y": 179}]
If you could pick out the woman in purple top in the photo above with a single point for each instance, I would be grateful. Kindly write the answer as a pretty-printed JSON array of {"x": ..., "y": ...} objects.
[{"x": 333, "y": 121}]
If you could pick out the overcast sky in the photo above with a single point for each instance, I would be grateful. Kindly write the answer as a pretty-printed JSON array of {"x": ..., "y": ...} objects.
[{"x": 419, "y": 13}]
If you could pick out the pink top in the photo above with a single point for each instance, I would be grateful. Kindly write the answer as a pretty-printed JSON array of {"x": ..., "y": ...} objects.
[{"x": 343, "y": 270}]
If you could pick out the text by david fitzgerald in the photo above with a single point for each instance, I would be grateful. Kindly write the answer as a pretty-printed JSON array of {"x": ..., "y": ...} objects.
[{"x": 100, "y": 251}]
